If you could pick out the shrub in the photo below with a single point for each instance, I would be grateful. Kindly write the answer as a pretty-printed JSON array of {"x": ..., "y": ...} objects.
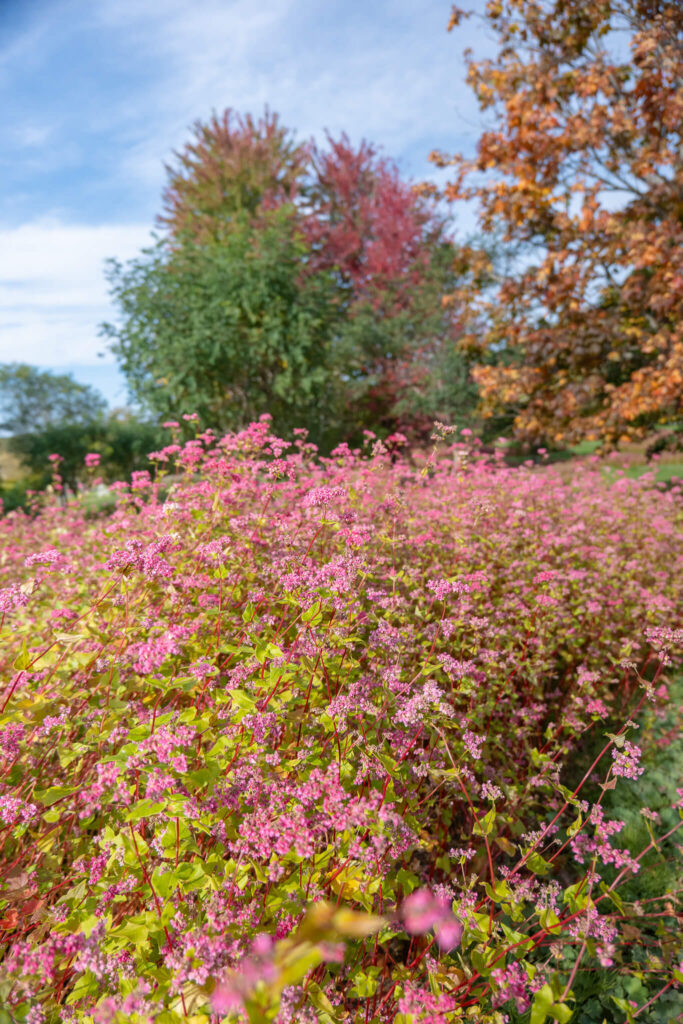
[
  {"x": 293, "y": 745},
  {"x": 121, "y": 441}
]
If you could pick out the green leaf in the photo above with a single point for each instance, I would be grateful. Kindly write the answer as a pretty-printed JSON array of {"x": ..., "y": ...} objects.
[
  {"x": 135, "y": 931},
  {"x": 481, "y": 958},
  {"x": 243, "y": 700},
  {"x": 364, "y": 985},
  {"x": 302, "y": 959},
  {"x": 408, "y": 880},
  {"x": 54, "y": 793},
  {"x": 575, "y": 826},
  {"x": 46, "y": 842},
  {"x": 614, "y": 897},
  {"x": 312, "y": 613},
  {"x": 484, "y": 826},
  {"x": 544, "y": 1006},
  {"x": 320, "y": 1000},
  {"x": 625, "y": 1007},
  {"x": 145, "y": 809},
  {"x": 84, "y": 986},
  {"x": 543, "y": 1000},
  {"x": 537, "y": 864},
  {"x": 23, "y": 660}
]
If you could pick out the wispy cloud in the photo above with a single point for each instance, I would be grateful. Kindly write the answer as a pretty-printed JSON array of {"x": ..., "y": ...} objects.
[
  {"x": 52, "y": 289},
  {"x": 384, "y": 71},
  {"x": 29, "y": 136}
]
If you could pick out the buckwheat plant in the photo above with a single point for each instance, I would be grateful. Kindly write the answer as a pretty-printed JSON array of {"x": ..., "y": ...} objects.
[{"x": 307, "y": 740}]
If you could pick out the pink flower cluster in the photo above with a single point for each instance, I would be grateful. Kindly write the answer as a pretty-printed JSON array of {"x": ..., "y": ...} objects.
[
  {"x": 297, "y": 690},
  {"x": 627, "y": 761}
]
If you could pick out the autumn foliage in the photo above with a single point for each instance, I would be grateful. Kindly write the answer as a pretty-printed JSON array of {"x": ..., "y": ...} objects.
[
  {"x": 232, "y": 165},
  {"x": 301, "y": 281},
  {"x": 360, "y": 218},
  {"x": 582, "y": 169},
  {"x": 370, "y": 225}
]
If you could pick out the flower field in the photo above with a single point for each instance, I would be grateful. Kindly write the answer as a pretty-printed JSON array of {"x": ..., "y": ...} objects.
[{"x": 332, "y": 740}]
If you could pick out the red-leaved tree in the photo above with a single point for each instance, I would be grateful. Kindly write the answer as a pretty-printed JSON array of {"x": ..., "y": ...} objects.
[{"x": 369, "y": 225}]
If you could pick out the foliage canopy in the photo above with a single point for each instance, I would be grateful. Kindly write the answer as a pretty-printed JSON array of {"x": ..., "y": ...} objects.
[
  {"x": 301, "y": 282},
  {"x": 582, "y": 166},
  {"x": 33, "y": 399}
]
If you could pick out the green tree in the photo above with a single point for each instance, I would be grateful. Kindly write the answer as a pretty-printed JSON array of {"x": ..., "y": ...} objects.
[
  {"x": 302, "y": 283},
  {"x": 122, "y": 440},
  {"x": 33, "y": 399},
  {"x": 229, "y": 330}
]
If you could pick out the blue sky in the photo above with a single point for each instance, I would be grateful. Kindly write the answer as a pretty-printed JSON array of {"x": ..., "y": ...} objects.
[{"x": 96, "y": 95}]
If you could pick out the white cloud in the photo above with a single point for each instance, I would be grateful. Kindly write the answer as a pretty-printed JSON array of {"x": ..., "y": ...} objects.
[
  {"x": 388, "y": 74},
  {"x": 32, "y": 136},
  {"x": 386, "y": 71},
  {"x": 53, "y": 293}
]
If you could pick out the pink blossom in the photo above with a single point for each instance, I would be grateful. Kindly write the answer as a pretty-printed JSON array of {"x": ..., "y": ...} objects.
[
  {"x": 12, "y": 597},
  {"x": 323, "y": 496},
  {"x": 627, "y": 761},
  {"x": 422, "y": 910}
]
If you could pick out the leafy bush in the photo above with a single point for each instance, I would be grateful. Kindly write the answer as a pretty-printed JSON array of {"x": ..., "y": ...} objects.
[
  {"x": 294, "y": 744},
  {"x": 121, "y": 442}
]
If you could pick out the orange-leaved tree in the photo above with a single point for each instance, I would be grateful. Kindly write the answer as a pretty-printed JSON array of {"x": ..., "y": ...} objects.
[{"x": 582, "y": 168}]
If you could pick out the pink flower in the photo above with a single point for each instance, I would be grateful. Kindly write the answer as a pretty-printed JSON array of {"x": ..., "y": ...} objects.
[
  {"x": 323, "y": 496},
  {"x": 441, "y": 587},
  {"x": 12, "y": 597},
  {"x": 13, "y": 810},
  {"x": 92, "y": 459},
  {"x": 627, "y": 761},
  {"x": 449, "y": 933},
  {"x": 423, "y": 910},
  {"x": 226, "y": 997}
]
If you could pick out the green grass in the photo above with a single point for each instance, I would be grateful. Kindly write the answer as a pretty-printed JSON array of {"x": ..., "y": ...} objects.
[
  {"x": 661, "y": 737},
  {"x": 664, "y": 474},
  {"x": 585, "y": 447}
]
